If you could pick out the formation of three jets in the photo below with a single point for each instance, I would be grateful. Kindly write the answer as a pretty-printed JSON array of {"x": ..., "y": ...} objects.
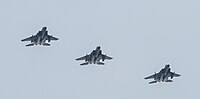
[{"x": 96, "y": 56}]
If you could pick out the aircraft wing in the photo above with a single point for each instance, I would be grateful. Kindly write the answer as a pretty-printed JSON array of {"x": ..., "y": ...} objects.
[
  {"x": 82, "y": 58},
  {"x": 28, "y": 39},
  {"x": 150, "y": 77},
  {"x": 106, "y": 57},
  {"x": 175, "y": 74},
  {"x": 53, "y": 38}
]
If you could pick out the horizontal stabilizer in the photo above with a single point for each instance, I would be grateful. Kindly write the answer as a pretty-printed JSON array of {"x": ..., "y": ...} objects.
[
  {"x": 100, "y": 63},
  {"x": 46, "y": 44},
  {"x": 152, "y": 82},
  {"x": 29, "y": 45},
  {"x": 84, "y": 64},
  {"x": 169, "y": 81}
]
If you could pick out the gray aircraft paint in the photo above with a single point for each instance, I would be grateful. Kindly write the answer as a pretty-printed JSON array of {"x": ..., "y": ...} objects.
[
  {"x": 163, "y": 75},
  {"x": 141, "y": 36},
  {"x": 40, "y": 38},
  {"x": 95, "y": 57}
]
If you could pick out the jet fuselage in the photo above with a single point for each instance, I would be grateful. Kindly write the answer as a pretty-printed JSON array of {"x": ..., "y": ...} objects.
[
  {"x": 41, "y": 37},
  {"x": 163, "y": 75},
  {"x": 94, "y": 57}
]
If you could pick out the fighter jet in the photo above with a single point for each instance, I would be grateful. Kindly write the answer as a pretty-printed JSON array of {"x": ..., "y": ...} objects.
[
  {"x": 95, "y": 57},
  {"x": 40, "y": 38},
  {"x": 163, "y": 75}
]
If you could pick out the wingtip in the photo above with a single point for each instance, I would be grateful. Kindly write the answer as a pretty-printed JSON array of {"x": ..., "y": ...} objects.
[
  {"x": 56, "y": 38},
  {"x": 110, "y": 58}
]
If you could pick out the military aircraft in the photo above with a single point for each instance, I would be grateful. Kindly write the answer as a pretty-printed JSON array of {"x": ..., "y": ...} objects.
[
  {"x": 163, "y": 75},
  {"x": 95, "y": 57},
  {"x": 40, "y": 38}
]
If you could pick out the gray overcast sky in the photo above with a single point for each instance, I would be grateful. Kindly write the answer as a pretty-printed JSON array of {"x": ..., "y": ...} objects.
[{"x": 141, "y": 35}]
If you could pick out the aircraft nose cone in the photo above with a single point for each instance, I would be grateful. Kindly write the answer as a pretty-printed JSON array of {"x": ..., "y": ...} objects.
[
  {"x": 167, "y": 65},
  {"x": 44, "y": 28},
  {"x": 98, "y": 48}
]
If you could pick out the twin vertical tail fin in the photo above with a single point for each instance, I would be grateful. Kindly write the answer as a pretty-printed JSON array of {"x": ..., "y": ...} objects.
[
  {"x": 45, "y": 44},
  {"x": 100, "y": 63},
  {"x": 156, "y": 81}
]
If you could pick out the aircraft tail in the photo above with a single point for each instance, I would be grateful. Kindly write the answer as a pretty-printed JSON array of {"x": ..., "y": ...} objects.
[
  {"x": 100, "y": 63},
  {"x": 30, "y": 45},
  {"x": 169, "y": 81},
  {"x": 46, "y": 44},
  {"x": 152, "y": 82},
  {"x": 84, "y": 64}
]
